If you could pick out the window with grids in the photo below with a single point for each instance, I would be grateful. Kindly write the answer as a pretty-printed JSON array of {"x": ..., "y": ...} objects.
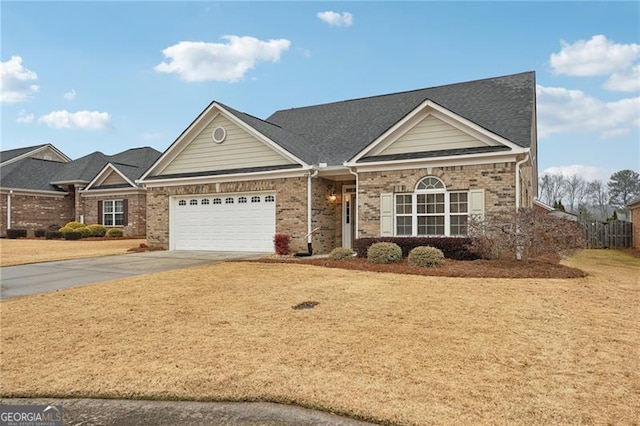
[
  {"x": 113, "y": 213},
  {"x": 431, "y": 210}
]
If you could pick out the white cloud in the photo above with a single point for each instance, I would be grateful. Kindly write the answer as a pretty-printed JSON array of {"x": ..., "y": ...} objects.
[
  {"x": 597, "y": 56},
  {"x": 624, "y": 81},
  {"x": 71, "y": 95},
  {"x": 562, "y": 110},
  {"x": 16, "y": 81},
  {"x": 24, "y": 117},
  {"x": 589, "y": 173},
  {"x": 201, "y": 61},
  {"x": 85, "y": 120},
  {"x": 336, "y": 19}
]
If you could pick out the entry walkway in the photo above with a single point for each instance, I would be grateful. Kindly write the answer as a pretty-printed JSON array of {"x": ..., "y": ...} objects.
[{"x": 51, "y": 276}]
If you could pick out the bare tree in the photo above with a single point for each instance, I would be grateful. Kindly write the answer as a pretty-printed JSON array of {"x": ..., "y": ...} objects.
[
  {"x": 575, "y": 188},
  {"x": 552, "y": 188},
  {"x": 599, "y": 197}
]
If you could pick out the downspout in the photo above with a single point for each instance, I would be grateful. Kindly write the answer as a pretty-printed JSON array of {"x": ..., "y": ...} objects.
[
  {"x": 518, "y": 190},
  {"x": 310, "y": 231},
  {"x": 355, "y": 237},
  {"x": 519, "y": 247},
  {"x": 9, "y": 195}
]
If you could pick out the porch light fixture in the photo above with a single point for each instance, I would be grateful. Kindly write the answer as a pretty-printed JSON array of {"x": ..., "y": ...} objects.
[{"x": 332, "y": 195}]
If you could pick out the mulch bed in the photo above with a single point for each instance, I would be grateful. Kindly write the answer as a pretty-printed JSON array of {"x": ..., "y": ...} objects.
[{"x": 539, "y": 268}]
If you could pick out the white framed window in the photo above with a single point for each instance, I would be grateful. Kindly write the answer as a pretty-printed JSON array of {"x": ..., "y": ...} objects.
[
  {"x": 431, "y": 210},
  {"x": 217, "y": 201},
  {"x": 228, "y": 200},
  {"x": 204, "y": 201},
  {"x": 269, "y": 199},
  {"x": 242, "y": 200},
  {"x": 255, "y": 199},
  {"x": 113, "y": 212},
  {"x": 182, "y": 202},
  {"x": 193, "y": 202}
]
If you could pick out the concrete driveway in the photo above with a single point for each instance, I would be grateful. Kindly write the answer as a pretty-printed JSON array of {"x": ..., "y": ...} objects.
[{"x": 51, "y": 276}]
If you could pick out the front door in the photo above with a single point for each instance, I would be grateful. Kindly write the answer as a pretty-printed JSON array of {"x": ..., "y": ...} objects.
[{"x": 349, "y": 212}]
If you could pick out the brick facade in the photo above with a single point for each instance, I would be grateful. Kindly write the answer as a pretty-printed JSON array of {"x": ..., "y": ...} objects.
[
  {"x": 498, "y": 181},
  {"x": 136, "y": 225},
  {"x": 291, "y": 206},
  {"x": 635, "y": 219},
  {"x": 35, "y": 211}
]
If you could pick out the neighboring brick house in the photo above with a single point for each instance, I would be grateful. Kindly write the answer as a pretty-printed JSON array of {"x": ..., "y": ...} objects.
[
  {"x": 410, "y": 163},
  {"x": 634, "y": 213},
  {"x": 41, "y": 187}
]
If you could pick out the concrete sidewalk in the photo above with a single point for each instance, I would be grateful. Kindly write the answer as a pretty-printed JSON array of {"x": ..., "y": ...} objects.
[
  {"x": 160, "y": 413},
  {"x": 51, "y": 276}
]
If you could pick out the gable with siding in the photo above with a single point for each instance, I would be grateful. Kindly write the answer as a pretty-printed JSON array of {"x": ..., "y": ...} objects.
[
  {"x": 238, "y": 150},
  {"x": 113, "y": 178}
]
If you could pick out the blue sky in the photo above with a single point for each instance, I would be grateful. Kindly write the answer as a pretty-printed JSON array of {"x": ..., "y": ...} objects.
[{"x": 107, "y": 76}]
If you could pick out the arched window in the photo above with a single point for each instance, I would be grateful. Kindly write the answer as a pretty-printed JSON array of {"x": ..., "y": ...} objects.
[{"x": 431, "y": 210}]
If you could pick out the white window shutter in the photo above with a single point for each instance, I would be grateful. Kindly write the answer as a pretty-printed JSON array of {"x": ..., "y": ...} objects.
[
  {"x": 476, "y": 203},
  {"x": 386, "y": 215}
]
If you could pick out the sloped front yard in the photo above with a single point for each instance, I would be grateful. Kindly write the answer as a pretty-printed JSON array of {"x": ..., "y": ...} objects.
[{"x": 386, "y": 347}]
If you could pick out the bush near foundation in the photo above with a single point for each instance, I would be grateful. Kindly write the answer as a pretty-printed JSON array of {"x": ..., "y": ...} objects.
[
  {"x": 97, "y": 230},
  {"x": 425, "y": 257},
  {"x": 52, "y": 235},
  {"x": 115, "y": 233},
  {"x": 281, "y": 243},
  {"x": 458, "y": 248},
  {"x": 386, "y": 252},
  {"x": 341, "y": 253},
  {"x": 74, "y": 225},
  {"x": 16, "y": 233},
  {"x": 72, "y": 235},
  {"x": 40, "y": 232}
]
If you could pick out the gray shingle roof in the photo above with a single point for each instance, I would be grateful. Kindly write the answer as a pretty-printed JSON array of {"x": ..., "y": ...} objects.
[
  {"x": 339, "y": 130},
  {"x": 133, "y": 163},
  {"x": 13, "y": 153},
  {"x": 30, "y": 173}
]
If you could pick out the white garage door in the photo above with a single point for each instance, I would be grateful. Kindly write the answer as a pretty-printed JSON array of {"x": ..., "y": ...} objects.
[{"x": 231, "y": 222}]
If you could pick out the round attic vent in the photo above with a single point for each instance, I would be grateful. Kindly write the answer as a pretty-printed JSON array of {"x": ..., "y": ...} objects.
[{"x": 219, "y": 134}]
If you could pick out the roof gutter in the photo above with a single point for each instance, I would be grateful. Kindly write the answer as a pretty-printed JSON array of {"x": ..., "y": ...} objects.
[
  {"x": 355, "y": 173},
  {"x": 518, "y": 189}
]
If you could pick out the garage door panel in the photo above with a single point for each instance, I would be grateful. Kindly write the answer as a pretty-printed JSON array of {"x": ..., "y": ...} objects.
[{"x": 213, "y": 222}]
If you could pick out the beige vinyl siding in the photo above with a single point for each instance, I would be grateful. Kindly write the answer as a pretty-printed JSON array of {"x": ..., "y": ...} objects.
[
  {"x": 48, "y": 154},
  {"x": 431, "y": 134},
  {"x": 239, "y": 150},
  {"x": 113, "y": 178}
]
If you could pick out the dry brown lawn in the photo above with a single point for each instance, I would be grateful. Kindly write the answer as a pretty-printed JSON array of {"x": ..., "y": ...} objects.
[
  {"x": 22, "y": 251},
  {"x": 384, "y": 347}
]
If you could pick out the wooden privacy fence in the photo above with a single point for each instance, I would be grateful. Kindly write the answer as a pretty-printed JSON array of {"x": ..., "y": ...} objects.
[{"x": 616, "y": 233}]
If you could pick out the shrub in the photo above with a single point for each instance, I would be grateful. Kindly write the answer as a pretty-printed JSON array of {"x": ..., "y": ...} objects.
[
  {"x": 115, "y": 233},
  {"x": 16, "y": 233},
  {"x": 74, "y": 225},
  {"x": 281, "y": 243},
  {"x": 50, "y": 235},
  {"x": 459, "y": 248},
  {"x": 341, "y": 253},
  {"x": 53, "y": 227},
  {"x": 97, "y": 230},
  {"x": 72, "y": 235},
  {"x": 40, "y": 232},
  {"x": 425, "y": 256},
  {"x": 384, "y": 252},
  {"x": 525, "y": 234},
  {"x": 65, "y": 229},
  {"x": 84, "y": 231}
]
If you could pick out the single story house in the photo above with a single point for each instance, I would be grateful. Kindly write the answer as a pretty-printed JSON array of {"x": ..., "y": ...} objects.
[
  {"x": 40, "y": 187},
  {"x": 412, "y": 163}
]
